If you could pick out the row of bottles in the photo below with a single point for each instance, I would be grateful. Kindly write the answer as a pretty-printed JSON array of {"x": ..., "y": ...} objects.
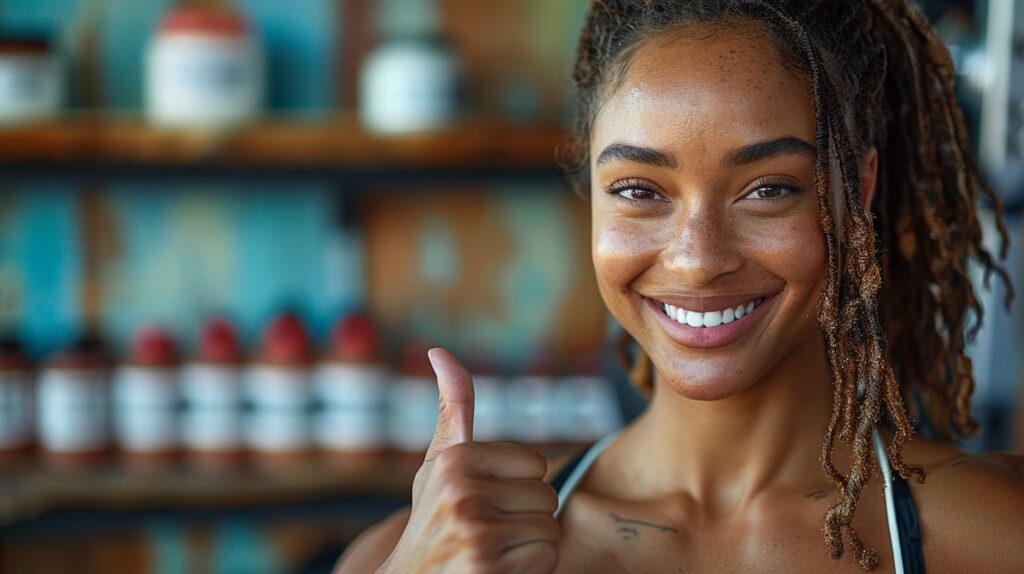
[{"x": 218, "y": 408}]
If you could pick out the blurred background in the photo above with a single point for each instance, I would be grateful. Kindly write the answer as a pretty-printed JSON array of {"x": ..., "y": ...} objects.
[{"x": 229, "y": 230}]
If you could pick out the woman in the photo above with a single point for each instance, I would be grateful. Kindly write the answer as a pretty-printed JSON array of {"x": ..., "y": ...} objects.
[{"x": 784, "y": 204}]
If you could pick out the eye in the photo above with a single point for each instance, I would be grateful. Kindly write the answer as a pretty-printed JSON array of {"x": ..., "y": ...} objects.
[
  {"x": 635, "y": 191},
  {"x": 772, "y": 191}
]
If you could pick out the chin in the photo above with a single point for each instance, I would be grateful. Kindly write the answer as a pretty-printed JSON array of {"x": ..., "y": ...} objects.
[{"x": 701, "y": 380}]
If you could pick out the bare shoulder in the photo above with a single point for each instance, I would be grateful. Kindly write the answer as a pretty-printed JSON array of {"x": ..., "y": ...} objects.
[
  {"x": 970, "y": 507},
  {"x": 371, "y": 548}
]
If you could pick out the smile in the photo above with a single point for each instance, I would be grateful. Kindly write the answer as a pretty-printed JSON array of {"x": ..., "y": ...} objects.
[
  {"x": 719, "y": 322},
  {"x": 710, "y": 319}
]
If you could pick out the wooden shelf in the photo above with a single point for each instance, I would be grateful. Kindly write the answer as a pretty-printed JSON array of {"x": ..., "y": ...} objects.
[
  {"x": 34, "y": 489},
  {"x": 335, "y": 146}
]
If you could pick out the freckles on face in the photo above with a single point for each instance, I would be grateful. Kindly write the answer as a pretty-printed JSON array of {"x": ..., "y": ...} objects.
[{"x": 703, "y": 199}]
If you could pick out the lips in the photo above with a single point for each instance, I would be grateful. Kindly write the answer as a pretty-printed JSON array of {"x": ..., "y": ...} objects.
[{"x": 706, "y": 323}]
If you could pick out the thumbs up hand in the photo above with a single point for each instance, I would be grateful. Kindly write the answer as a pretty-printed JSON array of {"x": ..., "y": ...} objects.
[{"x": 476, "y": 507}]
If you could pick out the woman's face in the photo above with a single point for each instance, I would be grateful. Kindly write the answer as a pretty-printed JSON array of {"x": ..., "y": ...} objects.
[{"x": 706, "y": 237}]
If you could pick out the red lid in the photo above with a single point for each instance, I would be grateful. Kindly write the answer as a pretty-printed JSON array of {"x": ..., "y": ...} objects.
[
  {"x": 218, "y": 342},
  {"x": 285, "y": 340},
  {"x": 354, "y": 338},
  {"x": 415, "y": 361},
  {"x": 153, "y": 347},
  {"x": 211, "y": 21}
]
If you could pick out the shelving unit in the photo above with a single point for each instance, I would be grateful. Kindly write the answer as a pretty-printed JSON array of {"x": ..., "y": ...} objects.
[
  {"x": 334, "y": 148},
  {"x": 34, "y": 490}
]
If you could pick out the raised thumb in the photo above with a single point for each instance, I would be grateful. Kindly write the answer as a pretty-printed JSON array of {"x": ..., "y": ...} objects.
[{"x": 455, "y": 402}]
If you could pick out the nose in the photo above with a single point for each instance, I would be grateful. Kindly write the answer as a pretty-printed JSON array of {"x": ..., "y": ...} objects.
[{"x": 703, "y": 247}]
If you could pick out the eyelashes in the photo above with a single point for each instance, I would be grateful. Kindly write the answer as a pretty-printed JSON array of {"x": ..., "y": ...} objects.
[{"x": 766, "y": 190}]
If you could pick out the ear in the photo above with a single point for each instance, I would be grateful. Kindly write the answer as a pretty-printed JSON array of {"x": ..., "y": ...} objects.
[{"x": 868, "y": 178}]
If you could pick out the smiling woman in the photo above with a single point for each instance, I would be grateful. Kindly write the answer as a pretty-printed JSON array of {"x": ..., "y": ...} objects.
[{"x": 783, "y": 204}]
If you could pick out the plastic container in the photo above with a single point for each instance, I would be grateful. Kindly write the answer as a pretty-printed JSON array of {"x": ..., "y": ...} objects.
[
  {"x": 351, "y": 389},
  {"x": 146, "y": 400},
  {"x": 74, "y": 405},
  {"x": 17, "y": 430},
  {"x": 204, "y": 70},
  {"x": 277, "y": 426},
  {"x": 413, "y": 403},
  {"x": 413, "y": 80},
  {"x": 30, "y": 79},
  {"x": 213, "y": 397}
]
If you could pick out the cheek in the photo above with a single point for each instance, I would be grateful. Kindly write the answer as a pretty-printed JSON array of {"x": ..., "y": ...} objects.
[
  {"x": 792, "y": 249},
  {"x": 621, "y": 251}
]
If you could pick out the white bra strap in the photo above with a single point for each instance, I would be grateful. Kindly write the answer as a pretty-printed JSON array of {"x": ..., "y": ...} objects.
[
  {"x": 890, "y": 505},
  {"x": 581, "y": 470}
]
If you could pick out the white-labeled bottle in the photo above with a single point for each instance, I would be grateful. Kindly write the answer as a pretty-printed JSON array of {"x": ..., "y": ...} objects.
[
  {"x": 74, "y": 405},
  {"x": 146, "y": 402},
  {"x": 213, "y": 399},
  {"x": 277, "y": 427},
  {"x": 412, "y": 404},
  {"x": 351, "y": 390}
]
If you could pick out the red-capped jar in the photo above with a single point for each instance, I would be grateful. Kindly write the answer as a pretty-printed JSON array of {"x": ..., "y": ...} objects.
[
  {"x": 212, "y": 396},
  {"x": 204, "y": 70},
  {"x": 73, "y": 426},
  {"x": 350, "y": 388},
  {"x": 277, "y": 425},
  {"x": 17, "y": 431},
  {"x": 413, "y": 402},
  {"x": 146, "y": 399}
]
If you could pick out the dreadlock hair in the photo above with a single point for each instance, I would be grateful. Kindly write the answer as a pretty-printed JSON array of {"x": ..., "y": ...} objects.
[{"x": 879, "y": 77}]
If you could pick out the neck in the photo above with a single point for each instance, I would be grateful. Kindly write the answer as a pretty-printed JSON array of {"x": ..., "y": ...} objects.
[{"x": 724, "y": 453}]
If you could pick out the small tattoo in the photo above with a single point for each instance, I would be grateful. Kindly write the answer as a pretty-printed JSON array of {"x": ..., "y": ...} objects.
[
  {"x": 959, "y": 461},
  {"x": 817, "y": 494},
  {"x": 627, "y": 532}
]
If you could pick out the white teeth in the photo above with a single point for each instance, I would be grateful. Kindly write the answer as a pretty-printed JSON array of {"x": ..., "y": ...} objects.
[
  {"x": 694, "y": 319},
  {"x": 710, "y": 318}
]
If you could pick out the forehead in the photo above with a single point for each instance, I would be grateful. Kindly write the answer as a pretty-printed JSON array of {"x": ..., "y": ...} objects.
[{"x": 719, "y": 88}]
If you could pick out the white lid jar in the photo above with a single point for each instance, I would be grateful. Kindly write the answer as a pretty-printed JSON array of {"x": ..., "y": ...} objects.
[
  {"x": 30, "y": 80},
  {"x": 204, "y": 70},
  {"x": 408, "y": 85}
]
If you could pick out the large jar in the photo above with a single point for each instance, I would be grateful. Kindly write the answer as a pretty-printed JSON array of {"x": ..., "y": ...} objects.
[
  {"x": 74, "y": 405},
  {"x": 350, "y": 388},
  {"x": 212, "y": 392},
  {"x": 204, "y": 70},
  {"x": 146, "y": 400},
  {"x": 412, "y": 81},
  {"x": 17, "y": 433}
]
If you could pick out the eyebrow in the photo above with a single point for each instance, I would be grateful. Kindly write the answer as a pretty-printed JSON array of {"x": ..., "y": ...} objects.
[
  {"x": 748, "y": 154},
  {"x": 636, "y": 154},
  {"x": 770, "y": 148}
]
